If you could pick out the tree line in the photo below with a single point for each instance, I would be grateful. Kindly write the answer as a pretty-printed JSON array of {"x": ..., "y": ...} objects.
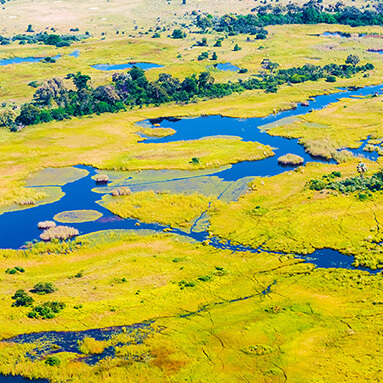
[
  {"x": 54, "y": 101},
  {"x": 309, "y": 13}
]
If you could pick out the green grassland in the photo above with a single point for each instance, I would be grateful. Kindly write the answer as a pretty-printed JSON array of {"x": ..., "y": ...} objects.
[
  {"x": 283, "y": 214},
  {"x": 310, "y": 327},
  {"x": 341, "y": 125},
  {"x": 169, "y": 209},
  {"x": 218, "y": 315}
]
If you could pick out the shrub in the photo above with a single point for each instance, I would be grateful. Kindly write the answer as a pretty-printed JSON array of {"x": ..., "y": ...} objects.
[
  {"x": 237, "y": 48},
  {"x": 178, "y": 34},
  {"x": 43, "y": 288},
  {"x": 47, "y": 310},
  {"x": 53, "y": 361},
  {"x": 203, "y": 56},
  {"x": 331, "y": 79},
  {"x": 15, "y": 270},
  {"x": 21, "y": 298},
  {"x": 317, "y": 185}
]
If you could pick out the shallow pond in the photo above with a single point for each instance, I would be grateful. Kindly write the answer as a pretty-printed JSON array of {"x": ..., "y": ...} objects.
[
  {"x": 342, "y": 34},
  {"x": 20, "y": 60},
  {"x": 144, "y": 66},
  {"x": 227, "y": 67}
]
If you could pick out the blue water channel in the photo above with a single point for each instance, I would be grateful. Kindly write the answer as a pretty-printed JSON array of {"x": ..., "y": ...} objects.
[{"x": 21, "y": 226}]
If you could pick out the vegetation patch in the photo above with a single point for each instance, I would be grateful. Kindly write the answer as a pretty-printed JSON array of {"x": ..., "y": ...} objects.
[
  {"x": 148, "y": 206},
  {"x": 290, "y": 159},
  {"x": 91, "y": 346},
  {"x": 59, "y": 232},
  {"x": 77, "y": 216}
]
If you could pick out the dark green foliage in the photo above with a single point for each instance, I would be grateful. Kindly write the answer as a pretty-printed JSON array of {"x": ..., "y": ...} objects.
[
  {"x": 33, "y": 84},
  {"x": 218, "y": 43},
  {"x": 15, "y": 270},
  {"x": 352, "y": 59},
  {"x": 178, "y": 34},
  {"x": 330, "y": 78},
  {"x": 47, "y": 39},
  {"x": 237, "y": 48},
  {"x": 205, "y": 278},
  {"x": 47, "y": 310},
  {"x": 308, "y": 13},
  {"x": 214, "y": 57},
  {"x": 195, "y": 161},
  {"x": 53, "y": 361},
  {"x": 184, "y": 284},
  {"x": 203, "y": 56},
  {"x": 43, "y": 288},
  {"x": 156, "y": 36},
  {"x": 21, "y": 298},
  {"x": 350, "y": 185},
  {"x": 53, "y": 101},
  {"x": 243, "y": 70},
  {"x": 49, "y": 59},
  {"x": 317, "y": 185}
]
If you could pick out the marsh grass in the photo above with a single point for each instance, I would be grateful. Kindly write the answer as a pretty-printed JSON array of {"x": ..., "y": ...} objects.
[
  {"x": 165, "y": 208},
  {"x": 101, "y": 178},
  {"x": 91, "y": 346},
  {"x": 125, "y": 190},
  {"x": 290, "y": 159}
]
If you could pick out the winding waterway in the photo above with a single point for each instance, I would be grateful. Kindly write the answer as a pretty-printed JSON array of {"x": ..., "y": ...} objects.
[{"x": 83, "y": 194}]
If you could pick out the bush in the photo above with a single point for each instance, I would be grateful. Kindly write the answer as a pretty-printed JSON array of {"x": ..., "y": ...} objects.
[
  {"x": 43, "y": 288},
  {"x": 53, "y": 361},
  {"x": 47, "y": 310},
  {"x": 178, "y": 34},
  {"x": 15, "y": 270},
  {"x": 237, "y": 48},
  {"x": 331, "y": 79},
  {"x": 21, "y": 298}
]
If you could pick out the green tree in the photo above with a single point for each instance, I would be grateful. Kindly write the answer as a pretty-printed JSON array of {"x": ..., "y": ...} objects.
[
  {"x": 178, "y": 34},
  {"x": 237, "y": 48},
  {"x": 361, "y": 168},
  {"x": 352, "y": 59}
]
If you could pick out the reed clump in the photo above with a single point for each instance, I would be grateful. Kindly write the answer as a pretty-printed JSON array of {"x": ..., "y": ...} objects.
[
  {"x": 46, "y": 225},
  {"x": 101, "y": 178},
  {"x": 121, "y": 191},
  {"x": 290, "y": 159},
  {"x": 59, "y": 232},
  {"x": 26, "y": 202}
]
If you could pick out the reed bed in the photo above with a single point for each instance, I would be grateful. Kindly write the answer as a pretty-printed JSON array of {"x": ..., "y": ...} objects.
[
  {"x": 46, "y": 225},
  {"x": 59, "y": 232}
]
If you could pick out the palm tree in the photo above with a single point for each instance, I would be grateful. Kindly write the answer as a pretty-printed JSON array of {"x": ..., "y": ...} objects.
[{"x": 361, "y": 169}]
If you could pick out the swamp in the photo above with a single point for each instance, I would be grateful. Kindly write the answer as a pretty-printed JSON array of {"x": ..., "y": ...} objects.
[{"x": 191, "y": 191}]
